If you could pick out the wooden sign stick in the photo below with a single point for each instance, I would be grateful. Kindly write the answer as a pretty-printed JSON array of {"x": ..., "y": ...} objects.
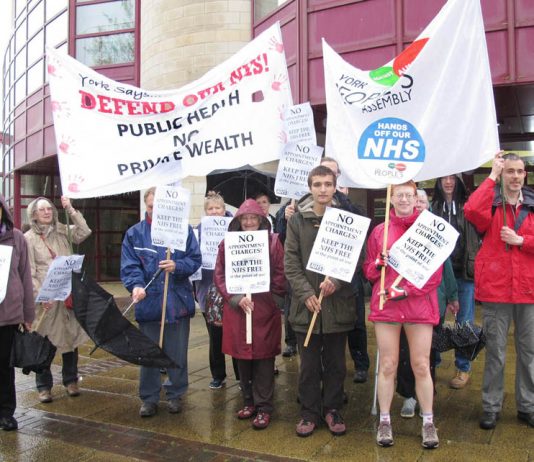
[
  {"x": 314, "y": 318},
  {"x": 164, "y": 306}
]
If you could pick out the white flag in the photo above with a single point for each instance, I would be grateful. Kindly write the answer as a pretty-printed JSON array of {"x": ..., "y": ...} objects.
[
  {"x": 427, "y": 113},
  {"x": 113, "y": 138}
]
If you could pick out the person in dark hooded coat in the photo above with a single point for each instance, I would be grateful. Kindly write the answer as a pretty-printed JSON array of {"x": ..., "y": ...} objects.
[
  {"x": 16, "y": 307},
  {"x": 255, "y": 361}
]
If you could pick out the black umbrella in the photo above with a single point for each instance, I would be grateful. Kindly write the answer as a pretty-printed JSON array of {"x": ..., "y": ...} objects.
[
  {"x": 467, "y": 338},
  {"x": 98, "y": 314},
  {"x": 238, "y": 184}
]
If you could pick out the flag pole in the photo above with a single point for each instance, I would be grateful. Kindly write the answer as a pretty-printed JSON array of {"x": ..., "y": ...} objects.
[
  {"x": 314, "y": 318},
  {"x": 503, "y": 206},
  {"x": 164, "y": 306},
  {"x": 385, "y": 247}
]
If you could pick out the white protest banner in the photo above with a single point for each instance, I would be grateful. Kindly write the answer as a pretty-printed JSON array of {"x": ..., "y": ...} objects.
[
  {"x": 197, "y": 275},
  {"x": 113, "y": 138},
  {"x": 295, "y": 164},
  {"x": 5, "y": 265},
  {"x": 213, "y": 232},
  {"x": 247, "y": 267},
  {"x": 427, "y": 113},
  {"x": 299, "y": 126},
  {"x": 57, "y": 284},
  {"x": 170, "y": 217},
  {"x": 422, "y": 248},
  {"x": 338, "y": 244}
]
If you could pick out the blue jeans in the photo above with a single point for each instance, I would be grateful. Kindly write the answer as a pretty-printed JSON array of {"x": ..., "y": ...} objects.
[
  {"x": 466, "y": 299},
  {"x": 175, "y": 341}
]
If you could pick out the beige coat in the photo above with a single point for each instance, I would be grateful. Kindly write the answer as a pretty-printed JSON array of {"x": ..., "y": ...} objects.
[{"x": 59, "y": 323}]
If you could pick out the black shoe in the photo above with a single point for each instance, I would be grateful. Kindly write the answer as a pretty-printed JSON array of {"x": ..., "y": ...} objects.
[
  {"x": 8, "y": 423},
  {"x": 527, "y": 417},
  {"x": 488, "y": 420},
  {"x": 360, "y": 376},
  {"x": 289, "y": 351},
  {"x": 148, "y": 409},
  {"x": 175, "y": 406}
]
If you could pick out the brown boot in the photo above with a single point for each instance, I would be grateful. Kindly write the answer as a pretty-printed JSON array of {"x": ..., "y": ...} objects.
[
  {"x": 72, "y": 389},
  {"x": 45, "y": 396},
  {"x": 460, "y": 380}
]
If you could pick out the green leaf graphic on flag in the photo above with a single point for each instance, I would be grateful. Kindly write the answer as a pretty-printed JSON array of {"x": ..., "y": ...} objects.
[{"x": 384, "y": 76}]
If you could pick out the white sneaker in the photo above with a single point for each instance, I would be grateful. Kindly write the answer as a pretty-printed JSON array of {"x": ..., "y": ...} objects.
[{"x": 408, "y": 408}]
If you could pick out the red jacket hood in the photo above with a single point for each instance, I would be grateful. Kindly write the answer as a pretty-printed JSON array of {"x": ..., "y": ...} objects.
[{"x": 252, "y": 207}]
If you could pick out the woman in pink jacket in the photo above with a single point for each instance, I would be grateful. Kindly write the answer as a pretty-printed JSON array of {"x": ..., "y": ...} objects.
[{"x": 415, "y": 310}]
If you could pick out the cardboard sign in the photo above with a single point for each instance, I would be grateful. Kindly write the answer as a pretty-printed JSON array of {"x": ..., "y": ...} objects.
[
  {"x": 298, "y": 124},
  {"x": 6, "y": 251},
  {"x": 247, "y": 266},
  {"x": 423, "y": 248},
  {"x": 213, "y": 232},
  {"x": 170, "y": 217},
  {"x": 197, "y": 275},
  {"x": 294, "y": 167},
  {"x": 57, "y": 284},
  {"x": 338, "y": 244}
]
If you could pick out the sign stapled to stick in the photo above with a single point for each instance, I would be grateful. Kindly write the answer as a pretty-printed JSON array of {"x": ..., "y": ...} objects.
[
  {"x": 170, "y": 217},
  {"x": 423, "y": 248},
  {"x": 57, "y": 284},
  {"x": 213, "y": 232}
]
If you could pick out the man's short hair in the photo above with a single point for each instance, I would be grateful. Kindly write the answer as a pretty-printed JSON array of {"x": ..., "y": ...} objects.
[
  {"x": 261, "y": 194},
  {"x": 321, "y": 170},
  {"x": 410, "y": 184},
  {"x": 148, "y": 192},
  {"x": 512, "y": 156},
  {"x": 331, "y": 159}
]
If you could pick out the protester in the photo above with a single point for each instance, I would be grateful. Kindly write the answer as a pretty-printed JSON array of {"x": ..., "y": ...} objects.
[
  {"x": 322, "y": 362},
  {"x": 406, "y": 306},
  {"x": 214, "y": 206},
  {"x": 140, "y": 260},
  {"x": 264, "y": 201},
  {"x": 255, "y": 361},
  {"x": 448, "y": 202},
  {"x": 504, "y": 278},
  {"x": 48, "y": 239},
  {"x": 357, "y": 337},
  {"x": 16, "y": 307},
  {"x": 448, "y": 300}
]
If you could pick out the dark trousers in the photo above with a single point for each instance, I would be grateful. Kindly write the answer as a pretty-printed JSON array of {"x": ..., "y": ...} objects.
[
  {"x": 44, "y": 380},
  {"x": 8, "y": 398},
  {"x": 405, "y": 377},
  {"x": 216, "y": 356},
  {"x": 257, "y": 383},
  {"x": 357, "y": 337},
  {"x": 322, "y": 362},
  {"x": 290, "y": 337}
]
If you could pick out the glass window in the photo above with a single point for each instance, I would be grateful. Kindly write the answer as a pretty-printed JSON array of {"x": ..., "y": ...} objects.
[
  {"x": 35, "y": 76},
  {"x": 20, "y": 90},
  {"x": 36, "y": 19},
  {"x": 263, "y": 7},
  {"x": 104, "y": 17},
  {"x": 57, "y": 31},
  {"x": 54, "y": 7},
  {"x": 108, "y": 49},
  {"x": 36, "y": 48},
  {"x": 20, "y": 64},
  {"x": 20, "y": 36}
]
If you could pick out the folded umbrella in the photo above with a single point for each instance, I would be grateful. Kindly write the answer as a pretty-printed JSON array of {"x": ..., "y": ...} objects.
[
  {"x": 467, "y": 338},
  {"x": 98, "y": 314}
]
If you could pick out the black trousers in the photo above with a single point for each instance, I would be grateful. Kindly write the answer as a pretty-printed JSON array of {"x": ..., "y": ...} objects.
[
  {"x": 405, "y": 377},
  {"x": 322, "y": 362},
  {"x": 357, "y": 337},
  {"x": 44, "y": 380},
  {"x": 290, "y": 337},
  {"x": 216, "y": 356},
  {"x": 257, "y": 383},
  {"x": 8, "y": 398}
]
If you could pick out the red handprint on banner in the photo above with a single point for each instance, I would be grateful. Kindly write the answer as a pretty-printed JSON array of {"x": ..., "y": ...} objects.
[
  {"x": 275, "y": 45},
  {"x": 278, "y": 82}
]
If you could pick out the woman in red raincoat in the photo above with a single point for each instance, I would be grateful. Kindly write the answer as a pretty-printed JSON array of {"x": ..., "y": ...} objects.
[
  {"x": 406, "y": 307},
  {"x": 255, "y": 361}
]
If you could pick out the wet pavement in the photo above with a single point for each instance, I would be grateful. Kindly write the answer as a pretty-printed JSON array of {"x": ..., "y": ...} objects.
[{"x": 103, "y": 422}]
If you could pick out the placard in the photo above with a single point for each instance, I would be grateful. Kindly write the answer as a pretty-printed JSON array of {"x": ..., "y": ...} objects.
[
  {"x": 423, "y": 248},
  {"x": 338, "y": 244},
  {"x": 57, "y": 284},
  {"x": 247, "y": 266},
  {"x": 170, "y": 217},
  {"x": 213, "y": 232}
]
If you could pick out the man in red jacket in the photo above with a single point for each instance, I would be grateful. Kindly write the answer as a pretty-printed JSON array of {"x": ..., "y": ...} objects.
[{"x": 504, "y": 282}]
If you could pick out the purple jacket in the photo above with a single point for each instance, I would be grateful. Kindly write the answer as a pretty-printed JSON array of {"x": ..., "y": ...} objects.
[{"x": 18, "y": 305}]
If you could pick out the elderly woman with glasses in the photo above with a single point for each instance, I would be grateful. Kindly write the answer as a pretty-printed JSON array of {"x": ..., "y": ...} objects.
[{"x": 406, "y": 306}]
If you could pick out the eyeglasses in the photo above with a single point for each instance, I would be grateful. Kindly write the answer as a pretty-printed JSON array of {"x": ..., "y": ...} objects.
[
  {"x": 47, "y": 209},
  {"x": 407, "y": 196}
]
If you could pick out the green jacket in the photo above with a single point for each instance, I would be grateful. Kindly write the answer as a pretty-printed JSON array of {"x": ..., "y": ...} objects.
[{"x": 338, "y": 311}]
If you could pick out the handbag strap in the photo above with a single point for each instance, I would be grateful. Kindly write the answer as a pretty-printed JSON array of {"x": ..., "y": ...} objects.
[{"x": 52, "y": 253}]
